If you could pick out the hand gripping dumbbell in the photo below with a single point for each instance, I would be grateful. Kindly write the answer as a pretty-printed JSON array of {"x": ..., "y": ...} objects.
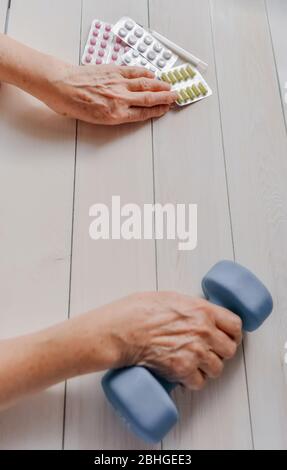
[{"x": 140, "y": 397}]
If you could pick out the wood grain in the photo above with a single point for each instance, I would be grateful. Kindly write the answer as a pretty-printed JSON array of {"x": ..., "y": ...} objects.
[
  {"x": 256, "y": 148},
  {"x": 277, "y": 15},
  {"x": 36, "y": 185},
  {"x": 3, "y": 12},
  {"x": 110, "y": 161},
  {"x": 190, "y": 168}
]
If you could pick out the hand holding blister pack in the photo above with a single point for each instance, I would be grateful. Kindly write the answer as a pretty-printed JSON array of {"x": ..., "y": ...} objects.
[{"x": 128, "y": 43}]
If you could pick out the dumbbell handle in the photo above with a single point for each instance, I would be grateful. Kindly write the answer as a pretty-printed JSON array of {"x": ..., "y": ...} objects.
[{"x": 169, "y": 386}]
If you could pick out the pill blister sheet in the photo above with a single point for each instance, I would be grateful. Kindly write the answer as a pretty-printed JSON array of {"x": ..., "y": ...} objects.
[
  {"x": 103, "y": 46},
  {"x": 142, "y": 41},
  {"x": 188, "y": 82},
  {"x": 133, "y": 57}
]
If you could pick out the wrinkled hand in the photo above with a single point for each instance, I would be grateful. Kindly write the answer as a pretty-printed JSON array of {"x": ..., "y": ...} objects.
[
  {"x": 107, "y": 94},
  {"x": 182, "y": 338}
]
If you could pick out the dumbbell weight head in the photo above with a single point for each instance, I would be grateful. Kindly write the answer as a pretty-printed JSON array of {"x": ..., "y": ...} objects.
[
  {"x": 142, "y": 401},
  {"x": 236, "y": 288},
  {"x": 141, "y": 398}
]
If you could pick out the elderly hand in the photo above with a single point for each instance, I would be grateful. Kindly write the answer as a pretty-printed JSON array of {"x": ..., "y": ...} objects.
[
  {"x": 98, "y": 94},
  {"x": 182, "y": 338},
  {"x": 107, "y": 94}
]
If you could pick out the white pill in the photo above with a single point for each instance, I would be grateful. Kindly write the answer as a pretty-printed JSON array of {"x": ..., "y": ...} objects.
[
  {"x": 142, "y": 47},
  {"x": 122, "y": 32},
  {"x": 167, "y": 54},
  {"x": 143, "y": 62},
  {"x": 139, "y": 32},
  {"x": 132, "y": 39},
  {"x": 151, "y": 55},
  {"x": 127, "y": 59},
  {"x": 152, "y": 69},
  {"x": 129, "y": 24},
  {"x": 161, "y": 63},
  {"x": 157, "y": 47},
  {"x": 135, "y": 53},
  {"x": 148, "y": 40}
]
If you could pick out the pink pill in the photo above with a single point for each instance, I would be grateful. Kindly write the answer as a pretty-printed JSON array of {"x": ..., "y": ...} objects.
[
  {"x": 88, "y": 58},
  {"x": 98, "y": 24},
  {"x": 103, "y": 44},
  {"x": 93, "y": 41},
  {"x": 106, "y": 35},
  {"x": 91, "y": 50},
  {"x": 108, "y": 27},
  {"x": 117, "y": 47},
  {"x": 114, "y": 56},
  {"x": 98, "y": 61},
  {"x": 118, "y": 40},
  {"x": 101, "y": 53},
  {"x": 95, "y": 32},
  {"x": 127, "y": 48}
]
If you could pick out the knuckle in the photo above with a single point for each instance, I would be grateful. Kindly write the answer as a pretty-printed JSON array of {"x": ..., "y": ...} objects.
[
  {"x": 199, "y": 351},
  {"x": 205, "y": 331},
  {"x": 144, "y": 83},
  {"x": 199, "y": 383},
  {"x": 217, "y": 368},
  {"x": 147, "y": 99},
  {"x": 231, "y": 350},
  {"x": 181, "y": 367},
  {"x": 237, "y": 325}
]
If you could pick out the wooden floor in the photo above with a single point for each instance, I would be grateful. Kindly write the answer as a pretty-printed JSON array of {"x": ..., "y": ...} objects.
[{"x": 228, "y": 154}]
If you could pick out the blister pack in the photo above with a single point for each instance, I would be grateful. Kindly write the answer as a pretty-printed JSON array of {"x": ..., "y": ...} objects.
[
  {"x": 103, "y": 46},
  {"x": 144, "y": 43},
  {"x": 188, "y": 82},
  {"x": 133, "y": 57}
]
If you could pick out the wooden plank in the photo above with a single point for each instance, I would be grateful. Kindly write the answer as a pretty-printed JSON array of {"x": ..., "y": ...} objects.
[
  {"x": 189, "y": 168},
  {"x": 36, "y": 186},
  {"x": 3, "y": 12},
  {"x": 256, "y": 148},
  {"x": 110, "y": 161},
  {"x": 277, "y": 15}
]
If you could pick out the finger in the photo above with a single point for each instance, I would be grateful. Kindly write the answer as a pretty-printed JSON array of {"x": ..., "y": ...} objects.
[
  {"x": 229, "y": 323},
  {"x": 222, "y": 344},
  {"x": 136, "y": 72},
  {"x": 147, "y": 84},
  {"x": 212, "y": 365},
  {"x": 143, "y": 114},
  {"x": 195, "y": 381},
  {"x": 149, "y": 98}
]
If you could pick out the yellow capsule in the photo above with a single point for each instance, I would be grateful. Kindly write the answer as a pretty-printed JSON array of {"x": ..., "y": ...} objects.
[
  {"x": 171, "y": 77},
  {"x": 190, "y": 71},
  {"x": 177, "y": 75},
  {"x": 184, "y": 74},
  {"x": 164, "y": 77},
  {"x": 195, "y": 90},
  {"x": 184, "y": 95},
  {"x": 190, "y": 92},
  {"x": 202, "y": 88},
  {"x": 179, "y": 100}
]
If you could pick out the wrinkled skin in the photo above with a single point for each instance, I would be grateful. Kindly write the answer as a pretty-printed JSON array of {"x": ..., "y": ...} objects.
[
  {"x": 185, "y": 339},
  {"x": 108, "y": 94}
]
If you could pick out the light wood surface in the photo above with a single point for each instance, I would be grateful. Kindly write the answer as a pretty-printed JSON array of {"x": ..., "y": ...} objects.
[
  {"x": 256, "y": 149},
  {"x": 228, "y": 154},
  {"x": 277, "y": 17},
  {"x": 36, "y": 194},
  {"x": 3, "y": 12},
  {"x": 189, "y": 168}
]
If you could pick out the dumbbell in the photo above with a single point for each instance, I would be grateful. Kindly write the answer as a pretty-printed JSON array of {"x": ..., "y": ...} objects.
[{"x": 142, "y": 398}]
